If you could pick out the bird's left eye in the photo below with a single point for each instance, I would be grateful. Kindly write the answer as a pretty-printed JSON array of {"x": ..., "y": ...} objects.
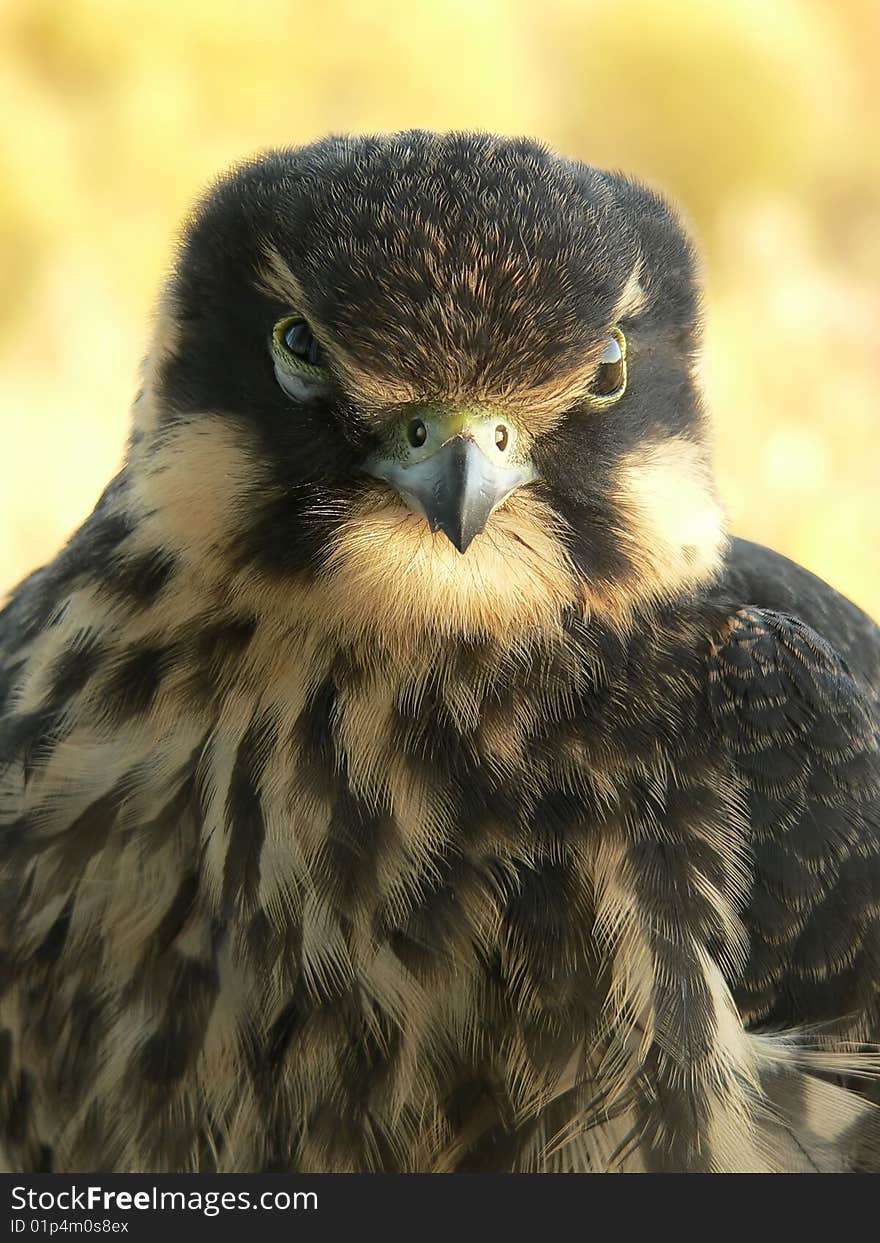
[
  {"x": 609, "y": 382},
  {"x": 301, "y": 363}
]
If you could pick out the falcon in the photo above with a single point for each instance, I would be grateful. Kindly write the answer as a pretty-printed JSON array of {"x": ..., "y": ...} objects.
[{"x": 402, "y": 769}]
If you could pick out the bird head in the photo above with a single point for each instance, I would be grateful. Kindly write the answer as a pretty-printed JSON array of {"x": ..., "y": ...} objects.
[{"x": 439, "y": 382}]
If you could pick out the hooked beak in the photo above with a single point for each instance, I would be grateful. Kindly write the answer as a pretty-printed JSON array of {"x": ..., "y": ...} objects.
[{"x": 454, "y": 467}]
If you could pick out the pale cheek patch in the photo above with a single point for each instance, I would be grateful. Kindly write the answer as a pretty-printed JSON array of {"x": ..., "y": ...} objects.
[
  {"x": 193, "y": 487},
  {"x": 389, "y": 579},
  {"x": 673, "y": 523}
]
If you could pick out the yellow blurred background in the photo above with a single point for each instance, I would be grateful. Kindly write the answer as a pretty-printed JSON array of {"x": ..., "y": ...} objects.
[{"x": 759, "y": 117}]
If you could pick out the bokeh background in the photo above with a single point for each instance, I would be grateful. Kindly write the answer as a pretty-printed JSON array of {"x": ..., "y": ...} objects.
[{"x": 760, "y": 117}]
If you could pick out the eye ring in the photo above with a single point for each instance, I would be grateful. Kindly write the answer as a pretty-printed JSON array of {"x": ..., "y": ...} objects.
[{"x": 609, "y": 381}]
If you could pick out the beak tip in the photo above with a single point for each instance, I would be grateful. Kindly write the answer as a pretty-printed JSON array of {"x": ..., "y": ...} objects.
[{"x": 460, "y": 538}]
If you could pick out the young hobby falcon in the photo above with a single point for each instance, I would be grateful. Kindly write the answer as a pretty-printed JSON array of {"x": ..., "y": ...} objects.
[{"x": 401, "y": 770}]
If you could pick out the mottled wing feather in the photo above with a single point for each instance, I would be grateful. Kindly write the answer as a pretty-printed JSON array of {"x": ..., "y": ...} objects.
[{"x": 803, "y": 733}]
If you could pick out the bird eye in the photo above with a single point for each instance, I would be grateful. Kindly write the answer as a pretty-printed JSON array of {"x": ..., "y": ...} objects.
[
  {"x": 300, "y": 361},
  {"x": 299, "y": 340},
  {"x": 609, "y": 381}
]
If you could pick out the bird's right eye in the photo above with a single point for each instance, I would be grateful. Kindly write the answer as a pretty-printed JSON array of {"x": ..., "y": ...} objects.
[
  {"x": 300, "y": 360},
  {"x": 299, "y": 340}
]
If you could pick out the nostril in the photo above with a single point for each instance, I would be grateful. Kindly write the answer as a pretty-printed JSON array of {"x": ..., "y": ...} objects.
[
  {"x": 501, "y": 437},
  {"x": 417, "y": 433}
]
